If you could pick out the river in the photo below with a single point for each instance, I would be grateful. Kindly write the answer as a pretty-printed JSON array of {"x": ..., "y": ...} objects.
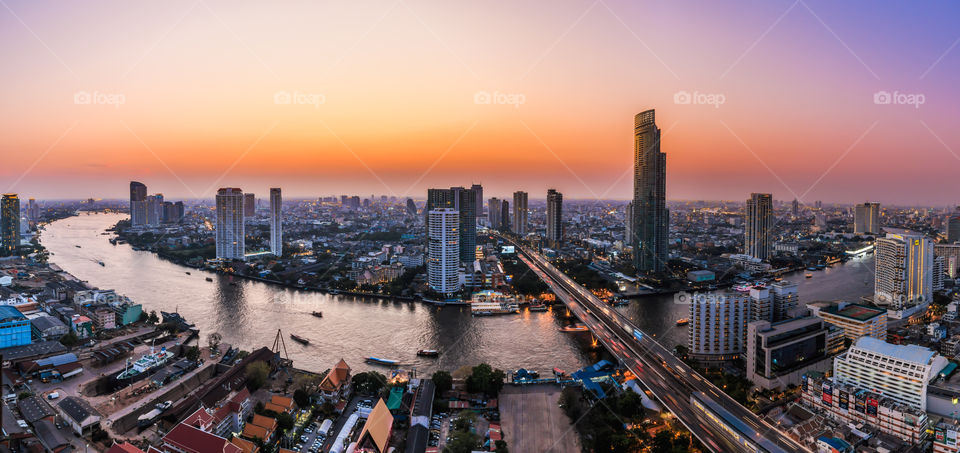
[{"x": 249, "y": 313}]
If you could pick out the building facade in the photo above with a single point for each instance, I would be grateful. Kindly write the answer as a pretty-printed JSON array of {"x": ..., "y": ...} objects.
[
  {"x": 443, "y": 259},
  {"x": 778, "y": 354},
  {"x": 904, "y": 273},
  {"x": 650, "y": 219},
  {"x": 866, "y": 218},
  {"x": 249, "y": 205},
  {"x": 854, "y": 319},
  {"x": 231, "y": 241},
  {"x": 520, "y": 213},
  {"x": 9, "y": 223},
  {"x": 276, "y": 222},
  {"x": 554, "y": 218},
  {"x": 718, "y": 325},
  {"x": 138, "y": 204},
  {"x": 493, "y": 212},
  {"x": 899, "y": 372},
  {"x": 758, "y": 226}
]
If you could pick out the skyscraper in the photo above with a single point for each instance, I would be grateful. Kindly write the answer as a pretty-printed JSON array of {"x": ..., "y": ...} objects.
[
  {"x": 276, "y": 222},
  {"x": 465, "y": 202},
  {"x": 493, "y": 213},
  {"x": 554, "y": 218},
  {"x": 520, "y": 213},
  {"x": 33, "y": 210},
  {"x": 138, "y": 203},
  {"x": 866, "y": 218},
  {"x": 443, "y": 250},
  {"x": 154, "y": 209},
  {"x": 758, "y": 226},
  {"x": 9, "y": 223},
  {"x": 478, "y": 192},
  {"x": 795, "y": 209},
  {"x": 904, "y": 273},
  {"x": 953, "y": 227},
  {"x": 650, "y": 217},
  {"x": 249, "y": 205},
  {"x": 230, "y": 233},
  {"x": 505, "y": 224},
  {"x": 411, "y": 207}
]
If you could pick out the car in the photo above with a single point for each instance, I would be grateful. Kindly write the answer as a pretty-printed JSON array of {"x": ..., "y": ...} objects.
[{"x": 303, "y": 438}]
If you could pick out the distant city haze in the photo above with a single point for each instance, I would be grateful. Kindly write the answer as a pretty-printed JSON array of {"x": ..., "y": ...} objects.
[{"x": 393, "y": 98}]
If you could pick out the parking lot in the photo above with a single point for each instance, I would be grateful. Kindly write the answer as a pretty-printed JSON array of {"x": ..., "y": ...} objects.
[{"x": 532, "y": 420}]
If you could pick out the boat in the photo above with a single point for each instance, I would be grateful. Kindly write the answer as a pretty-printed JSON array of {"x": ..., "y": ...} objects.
[
  {"x": 538, "y": 307},
  {"x": 618, "y": 302},
  {"x": 77, "y": 246},
  {"x": 299, "y": 339},
  {"x": 101, "y": 263},
  {"x": 334, "y": 291},
  {"x": 808, "y": 275},
  {"x": 428, "y": 353},
  {"x": 683, "y": 321},
  {"x": 188, "y": 273},
  {"x": 379, "y": 361},
  {"x": 558, "y": 372},
  {"x": 574, "y": 328},
  {"x": 318, "y": 314},
  {"x": 811, "y": 268},
  {"x": 209, "y": 279},
  {"x": 487, "y": 303},
  {"x": 147, "y": 363}
]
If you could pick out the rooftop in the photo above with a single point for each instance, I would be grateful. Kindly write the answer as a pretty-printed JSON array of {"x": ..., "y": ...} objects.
[
  {"x": 855, "y": 311},
  {"x": 909, "y": 352}
]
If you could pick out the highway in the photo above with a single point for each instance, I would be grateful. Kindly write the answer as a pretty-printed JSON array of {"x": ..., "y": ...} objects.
[{"x": 726, "y": 427}]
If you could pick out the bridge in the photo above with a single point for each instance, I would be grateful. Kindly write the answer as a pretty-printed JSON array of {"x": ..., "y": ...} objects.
[{"x": 718, "y": 421}]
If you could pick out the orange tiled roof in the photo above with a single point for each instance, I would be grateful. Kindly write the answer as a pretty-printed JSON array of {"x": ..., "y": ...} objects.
[
  {"x": 336, "y": 377},
  {"x": 245, "y": 445},
  {"x": 251, "y": 431},
  {"x": 282, "y": 401},
  {"x": 270, "y": 424},
  {"x": 378, "y": 426},
  {"x": 274, "y": 407}
]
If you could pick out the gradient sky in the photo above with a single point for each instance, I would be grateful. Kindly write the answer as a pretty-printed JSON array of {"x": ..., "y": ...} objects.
[{"x": 399, "y": 78}]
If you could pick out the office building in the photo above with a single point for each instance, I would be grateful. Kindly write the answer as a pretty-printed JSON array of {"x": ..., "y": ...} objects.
[
  {"x": 230, "y": 229},
  {"x": 138, "y": 203},
  {"x": 951, "y": 258},
  {"x": 505, "y": 224},
  {"x": 172, "y": 212},
  {"x": 354, "y": 202},
  {"x": 852, "y": 405},
  {"x": 520, "y": 213},
  {"x": 939, "y": 271},
  {"x": 953, "y": 227},
  {"x": 249, "y": 205},
  {"x": 758, "y": 226},
  {"x": 866, "y": 218},
  {"x": 465, "y": 202},
  {"x": 650, "y": 217},
  {"x": 854, "y": 320},
  {"x": 899, "y": 372},
  {"x": 411, "y": 207},
  {"x": 443, "y": 250},
  {"x": 155, "y": 210},
  {"x": 779, "y": 353},
  {"x": 276, "y": 222},
  {"x": 478, "y": 192},
  {"x": 718, "y": 325},
  {"x": 15, "y": 328},
  {"x": 904, "y": 273},
  {"x": 493, "y": 213},
  {"x": 628, "y": 227},
  {"x": 785, "y": 299},
  {"x": 9, "y": 223},
  {"x": 795, "y": 208},
  {"x": 554, "y": 218},
  {"x": 33, "y": 210}
]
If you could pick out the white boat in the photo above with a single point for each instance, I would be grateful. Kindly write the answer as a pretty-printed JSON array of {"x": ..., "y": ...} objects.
[
  {"x": 486, "y": 303},
  {"x": 146, "y": 363}
]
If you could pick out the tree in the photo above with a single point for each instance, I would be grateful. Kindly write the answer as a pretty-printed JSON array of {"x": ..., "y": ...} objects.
[
  {"x": 193, "y": 354},
  {"x": 368, "y": 382},
  {"x": 153, "y": 317},
  {"x": 213, "y": 340},
  {"x": 69, "y": 340},
  {"x": 462, "y": 442},
  {"x": 257, "y": 374},
  {"x": 285, "y": 421},
  {"x": 144, "y": 317},
  {"x": 301, "y": 397},
  {"x": 485, "y": 379},
  {"x": 442, "y": 380},
  {"x": 501, "y": 446}
]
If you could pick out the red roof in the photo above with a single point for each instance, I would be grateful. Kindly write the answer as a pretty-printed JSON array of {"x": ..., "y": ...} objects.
[
  {"x": 193, "y": 440},
  {"x": 125, "y": 447},
  {"x": 200, "y": 419}
]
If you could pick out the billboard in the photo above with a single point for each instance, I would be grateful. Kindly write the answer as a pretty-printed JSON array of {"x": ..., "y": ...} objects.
[
  {"x": 507, "y": 250},
  {"x": 803, "y": 382},
  {"x": 827, "y": 394},
  {"x": 872, "y": 404},
  {"x": 844, "y": 400}
]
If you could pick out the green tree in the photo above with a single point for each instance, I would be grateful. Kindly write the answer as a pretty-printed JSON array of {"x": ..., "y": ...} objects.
[
  {"x": 442, "y": 380},
  {"x": 501, "y": 446},
  {"x": 285, "y": 421},
  {"x": 485, "y": 379},
  {"x": 153, "y": 319},
  {"x": 301, "y": 397},
  {"x": 69, "y": 340},
  {"x": 368, "y": 382},
  {"x": 462, "y": 442},
  {"x": 193, "y": 353},
  {"x": 257, "y": 374}
]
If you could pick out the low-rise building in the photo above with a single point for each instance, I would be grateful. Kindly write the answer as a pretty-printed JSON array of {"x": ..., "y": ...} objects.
[
  {"x": 336, "y": 384},
  {"x": 46, "y": 327},
  {"x": 855, "y": 320},
  {"x": 79, "y": 414},
  {"x": 778, "y": 354}
]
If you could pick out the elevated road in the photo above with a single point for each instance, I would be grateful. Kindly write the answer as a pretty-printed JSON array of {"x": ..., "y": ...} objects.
[{"x": 718, "y": 421}]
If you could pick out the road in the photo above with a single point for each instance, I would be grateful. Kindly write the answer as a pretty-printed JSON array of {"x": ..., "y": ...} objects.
[{"x": 673, "y": 382}]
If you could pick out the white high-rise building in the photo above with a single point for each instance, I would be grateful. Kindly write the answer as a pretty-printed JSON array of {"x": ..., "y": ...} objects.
[
  {"x": 899, "y": 372},
  {"x": 904, "y": 273},
  {"x": 443, "y": 259},
  {"x": 230, "y": 232},
  {"x": 718, "y": 325},
  {"x": 276, "y": 222},
  {"x": 866, "y": 218}
]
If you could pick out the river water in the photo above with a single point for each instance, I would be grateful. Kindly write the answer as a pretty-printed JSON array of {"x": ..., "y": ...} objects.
[{"x": 248, "y": 313}]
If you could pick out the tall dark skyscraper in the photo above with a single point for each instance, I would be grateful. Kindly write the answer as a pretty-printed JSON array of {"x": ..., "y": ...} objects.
[
  {"x": 478, "y": 191},
  {"x": 505, "y": 224},
  {"x": 758, "y": 226},
  {"x": 953, "y": 226},
  {"x": 411, "y": 207},
  {"x": 138, "y": 203},
  {"x": 650, "y": 216},
  {"x": 554, "y": 218},
  {"x": 9, "y": 223},
  {"x": 520, "y": 213}
]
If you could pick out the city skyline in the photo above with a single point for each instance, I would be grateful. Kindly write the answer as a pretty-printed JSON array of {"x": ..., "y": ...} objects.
[{"x": 192, "y": 140}]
